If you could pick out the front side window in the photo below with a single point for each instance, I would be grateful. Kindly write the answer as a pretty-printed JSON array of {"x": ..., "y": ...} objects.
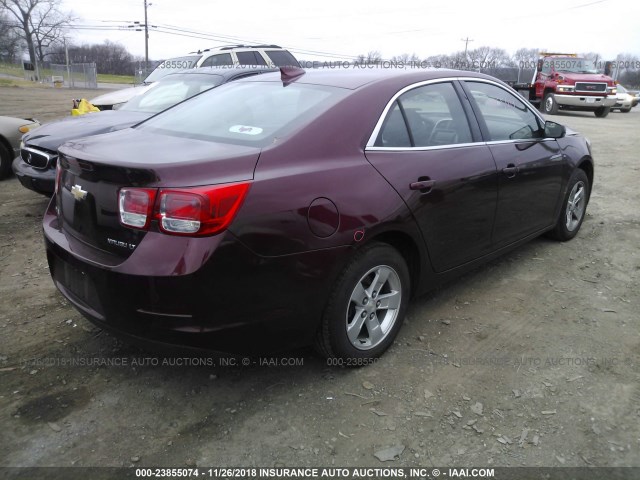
[
  {"x": 433, "y": 114},
  {"x": 506, "y": 116}
]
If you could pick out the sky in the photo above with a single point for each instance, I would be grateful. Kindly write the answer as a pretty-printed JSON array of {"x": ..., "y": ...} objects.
[{"x": 343, "y": 29}]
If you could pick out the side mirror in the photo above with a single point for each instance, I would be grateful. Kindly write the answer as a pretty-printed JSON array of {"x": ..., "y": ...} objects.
[
  {"x": 554, "y": 130},
  {"x": 540, "y": 64}
]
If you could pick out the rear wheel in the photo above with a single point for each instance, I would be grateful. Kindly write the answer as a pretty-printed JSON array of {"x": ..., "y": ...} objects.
[
  {"x": 5, "y": 162},
  {"x": 602, "y": 112},
  {"x": 573, "y": 207},
  {"x": 549, "y": 104},
  {"x": 367, "y": 306}
]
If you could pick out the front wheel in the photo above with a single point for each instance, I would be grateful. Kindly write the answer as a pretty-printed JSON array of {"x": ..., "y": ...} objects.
[
  {"x": 367, "y": 306},
  {"x": 602, "y": 112},
  {"x": 573, "y": 208},
  {"x": 549, "y": 104}
]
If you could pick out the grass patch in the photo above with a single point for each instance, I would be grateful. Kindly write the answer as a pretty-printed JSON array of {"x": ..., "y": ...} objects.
[
  {"x": 16, "y": 71},
  {"x": 10, "y": 82},
  {"x": 108, "y": 78},
  {"x": 11, "y": 69}
]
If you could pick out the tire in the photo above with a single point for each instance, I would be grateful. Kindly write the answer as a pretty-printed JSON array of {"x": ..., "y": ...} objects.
[
  {"x": 355, "y": 325},
  {"x": 572, "y": 212},
  {"x": 602, "y": 112},
  {"x": 549, "y": 104},
  {"x": 5, "y": 162},
  {"x": 625, "y": 110}
]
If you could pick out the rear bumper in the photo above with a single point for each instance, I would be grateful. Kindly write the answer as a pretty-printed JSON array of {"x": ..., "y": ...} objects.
[
  {"x": 585, "y": 102},
  {"x": 41, "y": 181},
  {"x": 237, "y": 302}
]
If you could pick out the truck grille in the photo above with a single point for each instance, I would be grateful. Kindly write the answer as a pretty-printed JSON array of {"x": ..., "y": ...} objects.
[
  {"x": 591, "y": 87},
  {"x": 37, "y": 158}
]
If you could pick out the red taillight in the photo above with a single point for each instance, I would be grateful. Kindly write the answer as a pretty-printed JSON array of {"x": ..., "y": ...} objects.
[
  {"x": 197, "y": 211},
  {"x": 136, "y": 206}
]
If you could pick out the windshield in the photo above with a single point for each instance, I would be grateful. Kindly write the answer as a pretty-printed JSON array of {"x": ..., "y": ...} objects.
[
  {"x": 246, "y": 113},
  {"x": 570, "y": 65},
  {"x": 171, "y": 90},
  {"x": 171, "y": 66},
  {"x": 621, "y": 89}
]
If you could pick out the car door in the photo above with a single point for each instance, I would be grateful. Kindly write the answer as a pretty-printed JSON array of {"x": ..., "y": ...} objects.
[
  {"x": 530, "y": 166},
  {"x": 428, "y": 151}
]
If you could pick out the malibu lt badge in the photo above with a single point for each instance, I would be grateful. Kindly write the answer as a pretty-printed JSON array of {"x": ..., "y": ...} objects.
[{"x": 121, "y": 244}]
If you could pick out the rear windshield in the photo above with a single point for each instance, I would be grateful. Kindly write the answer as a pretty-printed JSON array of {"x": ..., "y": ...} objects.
[
  {"x": 246, "y": 113},
  {"x": 172, "y": 65},
  {"x": 170, "y": 90}
]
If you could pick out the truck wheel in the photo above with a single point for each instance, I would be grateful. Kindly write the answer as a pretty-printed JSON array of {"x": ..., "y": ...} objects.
[
  {"x": 602, "y": 112},
  {"x": 549, "y": 104},
  {"x": 5, "y": 162}
]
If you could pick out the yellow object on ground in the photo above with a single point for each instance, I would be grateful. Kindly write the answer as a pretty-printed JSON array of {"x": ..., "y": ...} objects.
[{"x": 80, "y": 107}]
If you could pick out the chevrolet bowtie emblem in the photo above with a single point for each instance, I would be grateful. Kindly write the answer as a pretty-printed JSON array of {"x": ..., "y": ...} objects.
[{"x": 78, "y": 193}]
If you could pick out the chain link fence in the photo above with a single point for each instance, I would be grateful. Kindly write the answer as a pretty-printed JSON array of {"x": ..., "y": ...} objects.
[{"x": 78, "y": 75}]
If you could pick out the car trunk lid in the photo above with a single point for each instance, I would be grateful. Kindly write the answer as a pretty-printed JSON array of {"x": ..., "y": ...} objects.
[{"x": 93, "y": 170}]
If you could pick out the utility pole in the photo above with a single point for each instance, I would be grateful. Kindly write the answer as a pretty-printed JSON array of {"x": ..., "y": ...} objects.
[
  {"x": 466, "y": 45},
  {"x": 66, "y": 57},
  {"x": 146, "y": 38}
]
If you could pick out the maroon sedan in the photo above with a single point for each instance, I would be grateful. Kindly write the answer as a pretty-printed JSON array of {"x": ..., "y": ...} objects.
[{"x": 296, "y": 208}]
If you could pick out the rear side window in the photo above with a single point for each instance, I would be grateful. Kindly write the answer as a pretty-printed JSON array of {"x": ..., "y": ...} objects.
[
  {"x": 505, "y": 115},
  {"x": 394, "y": 131},
  {"x": 434, "y": 116},
  {"x": 222, "y": 60},
  {"x": 282, "y": 58},
  {"x": 250, "y": 58}
]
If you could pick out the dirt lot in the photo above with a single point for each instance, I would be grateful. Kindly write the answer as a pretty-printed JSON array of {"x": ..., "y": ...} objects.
[{"x": 532, "y": 360}]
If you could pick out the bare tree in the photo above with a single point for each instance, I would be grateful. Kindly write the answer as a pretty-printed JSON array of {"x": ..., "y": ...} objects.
[
  {"x": 373, "y": 57},
  {"x": 40, "y": 23},
  {"x": 525, "y": 57},
  {"x": 485, "y": 57},
  {"x": 109, "y": 57},
  {"x": 9, "y": 40},
  {"x": 48, "y": 25}
]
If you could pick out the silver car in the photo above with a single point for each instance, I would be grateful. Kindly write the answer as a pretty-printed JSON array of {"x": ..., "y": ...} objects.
[{"x": 11, "y": 131}]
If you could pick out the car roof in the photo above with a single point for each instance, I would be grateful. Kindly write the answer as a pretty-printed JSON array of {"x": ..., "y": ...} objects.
[
  {"x": 356, "y": 77},
  {"x": 223, "y": 71}
]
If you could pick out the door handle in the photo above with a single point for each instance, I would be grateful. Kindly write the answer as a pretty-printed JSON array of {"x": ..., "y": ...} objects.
[
  {"x": 425, "y": 186},
  {"x": 510, "y": 170}
]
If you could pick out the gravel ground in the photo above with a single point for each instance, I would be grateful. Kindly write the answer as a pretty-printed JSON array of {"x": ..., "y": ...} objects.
[{"x": 531, "y": 360}]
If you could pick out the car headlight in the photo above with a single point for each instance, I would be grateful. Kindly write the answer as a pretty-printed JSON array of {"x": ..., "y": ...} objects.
[
  {"x": 117, "y": 106},
  {"x": 28, "y": 127}
]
